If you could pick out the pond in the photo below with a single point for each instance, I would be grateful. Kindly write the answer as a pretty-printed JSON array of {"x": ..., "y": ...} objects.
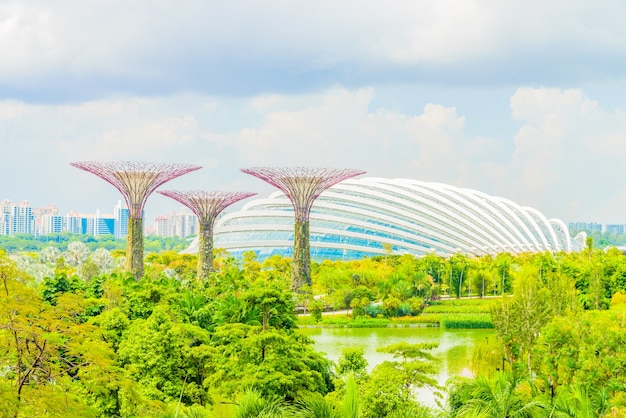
[{"x": 454, "y": 350}]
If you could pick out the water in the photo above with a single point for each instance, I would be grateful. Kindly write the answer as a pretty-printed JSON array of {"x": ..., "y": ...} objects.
[{"x": 454, "y": 350}]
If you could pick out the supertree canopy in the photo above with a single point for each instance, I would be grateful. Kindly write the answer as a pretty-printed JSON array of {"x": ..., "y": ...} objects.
[
  {"x": 302, "y": 186},
  {"x": 135, "y": 181},
  {"x": 206, "y": 205}
]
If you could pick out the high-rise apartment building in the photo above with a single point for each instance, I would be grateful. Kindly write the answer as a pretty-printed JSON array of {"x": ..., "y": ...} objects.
[
  {"x": 585, "y": 226},
  {"x": 50, "y": 224},
  {"x": 103, "y": 224},
  {"x": 120, "y": 214},
  {"x": 16, "y": 218},
  {"x": 617, "y": 229},
  {"x": 177, "y": 224},
  {"x": 48, "y": 220},
  {"x": 73, "y": 223},
  {"x": 5, "y": 217}
]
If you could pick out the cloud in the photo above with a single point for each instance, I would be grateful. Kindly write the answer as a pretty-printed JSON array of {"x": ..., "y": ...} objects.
[
  {"x": 569, "y": 154},
  {"x": 338, "y": 128},
  {"x": 67, "y": 51},
  {"x": 565, "y": 158}
]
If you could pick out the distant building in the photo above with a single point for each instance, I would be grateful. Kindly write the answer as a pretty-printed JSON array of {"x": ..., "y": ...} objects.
[
  {"x": 120, "y": 213},
  {"x": 177, "y": 224},
  {"x": 73, "y": 223},
  {"x": 103, "y": 224},
  {"x": 47, "y": 220},
  {"x": 161, "y": 226},
  {"x": 5, "y": 217},
  {"x": 22, "y": 218},
  {"x": 17, "y": 218},
  {"x": 585, "y": 226},
  {"x": 51, "y": 224},
  {"x": 615, "y": 229}
]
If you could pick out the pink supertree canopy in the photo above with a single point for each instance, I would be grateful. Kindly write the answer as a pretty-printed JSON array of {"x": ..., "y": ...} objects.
[
  {"x": 302, "y": 185},
  {"x": 135, "y": 180},
  {"x": 206, "y": 205}
]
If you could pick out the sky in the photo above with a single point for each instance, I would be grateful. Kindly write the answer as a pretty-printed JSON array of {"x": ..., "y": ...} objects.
[{"x": 519, "y": 99}]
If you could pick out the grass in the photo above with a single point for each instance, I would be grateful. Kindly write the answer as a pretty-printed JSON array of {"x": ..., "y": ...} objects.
[{"x": 448, "y": 313}]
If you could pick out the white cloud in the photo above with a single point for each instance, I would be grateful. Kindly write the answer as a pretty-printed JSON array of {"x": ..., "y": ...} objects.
[
  {"x": 566, "y": 158},
  {"x": 569, "y": 154},
  {"x": 266, "y": 46}
]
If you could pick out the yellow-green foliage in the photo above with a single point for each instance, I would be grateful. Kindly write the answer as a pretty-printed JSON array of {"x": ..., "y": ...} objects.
[{"x": 618, "y": 298}]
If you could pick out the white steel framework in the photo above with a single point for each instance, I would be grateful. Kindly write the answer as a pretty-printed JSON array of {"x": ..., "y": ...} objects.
[{"x": 355, "y": 217}]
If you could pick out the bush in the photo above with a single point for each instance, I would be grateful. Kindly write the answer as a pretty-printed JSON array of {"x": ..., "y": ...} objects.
[
  {"x": 316, "y": 307},
  {"x": 618, "y": 298},
  {"x": 433, "y": 320},
  {"x": 459, "y": 309},
  {"x": 466, "y": 322},
  {"x": 367, "y": 322},
  {"x": 374, "y": 310},
  {"x": 358, "y": 306},
  {"x": 391, "y": 306}
]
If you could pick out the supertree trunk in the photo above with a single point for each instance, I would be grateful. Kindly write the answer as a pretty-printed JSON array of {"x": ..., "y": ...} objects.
[
  {"x": 302, "y": 186},
  {"x": 205, "y": 251},
  {"x": 134, "y": 247},
  {"x": 206, "y": 206},
  {"x": 301, "y": 268}
]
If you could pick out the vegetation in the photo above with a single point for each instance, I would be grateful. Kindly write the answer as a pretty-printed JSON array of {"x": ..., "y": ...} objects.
[
  {"x": 20, "y": 243},
  {"x": 79, "y": 337}
]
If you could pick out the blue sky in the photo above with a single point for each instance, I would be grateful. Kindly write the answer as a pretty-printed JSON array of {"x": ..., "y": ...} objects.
[{"x": 517, "y": 99}]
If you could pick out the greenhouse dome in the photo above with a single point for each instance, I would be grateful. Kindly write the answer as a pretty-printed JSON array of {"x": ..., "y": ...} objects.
[{"x": 365, "y": 217}]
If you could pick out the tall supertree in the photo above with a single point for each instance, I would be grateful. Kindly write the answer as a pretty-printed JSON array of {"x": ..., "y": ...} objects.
[
  {"x": 135, "y": 181},
  {"x": 302, "y": 186},
  {"x": 206, "y": 206}
]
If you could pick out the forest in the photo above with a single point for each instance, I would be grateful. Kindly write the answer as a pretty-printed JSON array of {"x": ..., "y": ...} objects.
[{"x": 81, "y": 338}]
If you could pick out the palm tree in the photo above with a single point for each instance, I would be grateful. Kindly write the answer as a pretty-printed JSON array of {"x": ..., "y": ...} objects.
[
  {"x": 315, "y": 406},
  {"x": 500, "y": 397},
  {"x": 577, "y": 402},
  {"x": 253, "y": 405}
]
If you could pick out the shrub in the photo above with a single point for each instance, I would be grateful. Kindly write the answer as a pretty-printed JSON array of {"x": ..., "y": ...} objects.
[
  {"x": 358, "y": 306},
  {"x": 466, "y": 322},
  {"x": 374, "y": 310},
  {"x": 367, "y": 322},
  {"x": 316, "y": 307},
  {"x": 391, "y": 306},
  {"x": 618, "y": 298}
]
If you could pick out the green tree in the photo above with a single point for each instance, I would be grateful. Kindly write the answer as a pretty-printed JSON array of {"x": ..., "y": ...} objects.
[
  {"x": 391, "y": 306},
  {"x": 391, "y": 383},
  {"x": 518, "y": 320},
  {"x": 352, "y": 360},
  {"x": 272, "y": 306},
  {"x": 52, "y": 361},
  {"x": 272, "y": 362},
  {"x": 316, "y": 307},
  {"x": 165, "y": 357}
]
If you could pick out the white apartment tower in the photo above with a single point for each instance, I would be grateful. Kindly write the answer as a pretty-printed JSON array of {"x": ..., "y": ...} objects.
[
  {"x": 181, "y": 224},
  {"x": 16, "y": 219},
  {"x": 120, "y": 214}
]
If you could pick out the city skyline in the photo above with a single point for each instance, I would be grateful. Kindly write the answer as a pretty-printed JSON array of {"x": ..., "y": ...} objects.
[
  {"x": 163, "y": 224},
  {"x": 459, "y": 92},
  {"x": 29, "y": 219}
]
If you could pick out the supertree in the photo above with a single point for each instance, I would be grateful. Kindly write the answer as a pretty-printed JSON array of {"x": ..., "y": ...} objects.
[
  {"x": 302, "y": 186},
  {"x": 135, "y": 181},
  {"x": 206, "y": 205}
]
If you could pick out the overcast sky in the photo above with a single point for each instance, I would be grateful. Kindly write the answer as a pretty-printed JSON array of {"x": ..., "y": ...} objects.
[{"x": 520, "y": 99}]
